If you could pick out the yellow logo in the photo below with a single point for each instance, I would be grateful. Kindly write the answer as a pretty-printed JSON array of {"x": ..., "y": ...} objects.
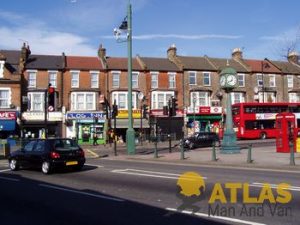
[{"x": 190, "y": 184}]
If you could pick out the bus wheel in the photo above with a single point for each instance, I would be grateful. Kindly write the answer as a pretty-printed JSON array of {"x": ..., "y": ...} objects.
[{"x": 263, "y": 135}]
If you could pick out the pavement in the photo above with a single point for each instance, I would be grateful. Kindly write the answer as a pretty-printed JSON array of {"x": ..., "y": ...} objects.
[{"x": 263, "y": 155}]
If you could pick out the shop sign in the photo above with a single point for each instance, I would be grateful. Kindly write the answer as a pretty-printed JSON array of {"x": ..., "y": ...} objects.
[
  {"x": 265, "y": 116},
  {"x": 82, "y": 116},
  {"x": 204, "y": 110},
  {"x": 8, "y": 115},
  {"x": 136, "y": 113},
  {"x": 40, "y": 116}
]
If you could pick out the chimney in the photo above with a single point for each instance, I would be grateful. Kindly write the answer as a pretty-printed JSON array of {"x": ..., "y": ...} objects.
[
  {"x": 102, "y": 52},
  {"x": 237, "y": 54},
  {"x": 293, "y": 57},
  {"x": 25, "y": 52},
  {"x": 172, "y": 52}
]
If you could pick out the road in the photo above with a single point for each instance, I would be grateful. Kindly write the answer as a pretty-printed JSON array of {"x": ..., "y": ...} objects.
[{"x": 131, "y": 192}]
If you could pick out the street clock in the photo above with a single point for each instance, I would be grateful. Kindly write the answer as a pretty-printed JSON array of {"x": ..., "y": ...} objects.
[{"x": 228, "y": 78}]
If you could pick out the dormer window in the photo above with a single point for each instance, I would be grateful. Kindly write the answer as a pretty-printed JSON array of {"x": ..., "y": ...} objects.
[{"x": 2, "y": 68}]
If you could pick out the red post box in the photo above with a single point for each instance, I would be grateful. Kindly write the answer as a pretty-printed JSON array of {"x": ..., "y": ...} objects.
[{"x": 285, "y": 125}]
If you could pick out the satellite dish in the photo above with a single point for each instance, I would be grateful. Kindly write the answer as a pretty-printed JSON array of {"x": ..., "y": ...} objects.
[{"x": 255, "y": 89}]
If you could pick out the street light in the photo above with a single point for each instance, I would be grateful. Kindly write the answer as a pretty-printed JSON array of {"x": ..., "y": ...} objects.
[{"x": 126, "y": 26}]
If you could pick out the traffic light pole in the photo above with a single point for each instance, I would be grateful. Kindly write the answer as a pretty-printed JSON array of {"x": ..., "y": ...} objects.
[
  {"x": 141, "y": 127},
  {"x": 169, "y": 135},
  {"x": 46, "y": 113}
]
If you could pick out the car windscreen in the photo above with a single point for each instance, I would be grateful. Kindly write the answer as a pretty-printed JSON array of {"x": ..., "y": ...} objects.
[{"x": 65, "y": 145}]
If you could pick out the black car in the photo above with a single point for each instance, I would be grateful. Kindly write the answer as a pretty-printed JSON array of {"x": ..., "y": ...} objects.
[
  {"x": 48, "y": 154},
  {"x": 201, "y": 139}
]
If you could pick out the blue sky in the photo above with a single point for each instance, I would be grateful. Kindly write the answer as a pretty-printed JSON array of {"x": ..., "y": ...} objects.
[{"x": 262, "y": 28}]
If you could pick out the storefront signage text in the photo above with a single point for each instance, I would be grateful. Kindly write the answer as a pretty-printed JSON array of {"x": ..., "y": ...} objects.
[
  {"x": 8, "y": 115},
  {"x": 78, "y": 116}
]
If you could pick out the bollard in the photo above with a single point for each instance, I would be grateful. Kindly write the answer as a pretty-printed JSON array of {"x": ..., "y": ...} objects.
[
  {"x": 6, "y": 150},
  {"x": 249, "y": 156},
  {"x": 213, "y": 153},
  {"x": 292, "y": 154},
  {"x": 155, "y": 148},
  {"x": 181, "y": 150}
]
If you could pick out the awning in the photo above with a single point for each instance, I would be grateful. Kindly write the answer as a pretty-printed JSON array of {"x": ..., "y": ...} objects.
[
  {"x": 7, "y": 125},
  {"x": 123, "y": 123}
]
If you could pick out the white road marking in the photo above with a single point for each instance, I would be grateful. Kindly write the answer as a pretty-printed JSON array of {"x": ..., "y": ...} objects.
[
  {"x": 147, "y": 173},
  {"x": 292, "y": 188},
  {"x": 10, "y": 179},
  {"x": 93, "y": 165},
  {"x": 4, "y": 170},
  {"x": 216, "y": 217},
  {"x": 82, "y": 193}
]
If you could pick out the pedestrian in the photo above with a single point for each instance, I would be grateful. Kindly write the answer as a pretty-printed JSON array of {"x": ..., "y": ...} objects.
[{"x": 95, "y": 139}]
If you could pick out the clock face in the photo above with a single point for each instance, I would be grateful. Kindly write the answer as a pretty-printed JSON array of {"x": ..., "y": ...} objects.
[
  {"x": 222, "y": 81},
  {"x": 231, "y": 80}
]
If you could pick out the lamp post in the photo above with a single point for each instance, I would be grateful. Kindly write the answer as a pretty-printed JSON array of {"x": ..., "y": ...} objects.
[
  {"x": 126, "y": 26},
  {"x": 194, "y": 109},
  {"x": 228, "y": 81}
]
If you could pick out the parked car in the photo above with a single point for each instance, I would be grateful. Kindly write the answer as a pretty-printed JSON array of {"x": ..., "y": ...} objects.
[
  {"x": 48, "y": 154},
  {"x": 201, "y": 139}
]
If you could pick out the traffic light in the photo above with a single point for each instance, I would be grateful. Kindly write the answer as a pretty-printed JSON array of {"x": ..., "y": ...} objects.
[
  {"x": 51, "y": 98},
  {"x": 174, "y": 106},
  {"x": 114, "y": 112},
  {"x": 145, "y": 111}
]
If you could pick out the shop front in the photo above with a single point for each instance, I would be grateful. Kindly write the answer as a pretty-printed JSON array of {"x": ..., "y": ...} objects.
[
  {"x": 8, "y": 125},
  {"x": 204, "y": 118},
  {"x": 34, "y": 124},
  {"x": 84, "y": 125}
]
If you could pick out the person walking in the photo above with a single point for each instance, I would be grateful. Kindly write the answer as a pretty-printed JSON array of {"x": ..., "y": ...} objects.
[{"x": 95, "y": 139}]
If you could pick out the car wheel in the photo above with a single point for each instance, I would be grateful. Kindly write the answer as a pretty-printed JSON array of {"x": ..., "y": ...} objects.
[
  {"x": 13, "y": 165},
  {"x": 46, "y": 169},
  {"x": 263, "y": 135}
]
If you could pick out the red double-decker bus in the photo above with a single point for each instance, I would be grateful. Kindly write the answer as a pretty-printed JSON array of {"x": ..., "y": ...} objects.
[{"x": 257, "y": 120}]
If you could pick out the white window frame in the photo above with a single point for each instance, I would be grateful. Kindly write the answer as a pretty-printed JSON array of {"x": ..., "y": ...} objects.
[
  {"x": 32, "y": 74},
  {"x": 241, "y": 79},
  {"x": 75, "y": 78},
  {"x": 237, "y": 97},
  {"x": 94, "y": 79},
  {"x": 33, "y": 105},
  {"x": 135, "y": 79},
  {"x": 206, "y": 75},
  {"x": 115, "y": 82},
  {"x": 154, "y": 79},
  {"x": 7, "y": 99},
  {"x": 197, "y": 97},
  {"x": 294, "y": 97},
  {"x": 2, "y": 62},
  {"x": 84, "y": 102},
  {"x": 157, "y": 103},
  {"x": 192, "y": 75},
  {"x": 172, "y": 79},
  {"x": 263, "y": 96},
  {"x": 124, "y": 104},
  {"x": 260, "y": 80},
  {"x": 53, "y": 78},
  {"x": 290, "y": 81},
  {"x": 272, "y": 80}
]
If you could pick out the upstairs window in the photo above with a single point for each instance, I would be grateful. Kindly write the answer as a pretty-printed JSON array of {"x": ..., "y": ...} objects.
[
  {"x": 172, "y": 80},
  {"x": 192, "y": 78},
  {"x": 75, "y": 79},
  {"x": 83, "y": 101},
  {"x": 2, "y": 68},
  {"x": 53, "y": 78},
  {"x": 94, "y": 79},
  {"x": 116, "y": 79},
  {"x": 32, "y": 79},
  {"x": 36, "y": 101},
  {"x": 206, "y": 79},
  {"x": 259, "y": 78},
  {"x": 5, "y": 97},
  {"x": 154, "y": 79},
  {"x": 272, "y": 80},
  {"x": 135, "y": 79},
  {"x": 159, "y": 99},
  {"x": 241, "y": 80},
  {"x": 290, "y": 81}
]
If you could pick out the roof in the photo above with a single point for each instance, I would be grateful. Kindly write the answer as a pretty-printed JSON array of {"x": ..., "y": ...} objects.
[
  {"x": 286, "y": 67},
  {"x": 45, "y": 62},
  {"x": 223, "y": 63},
  {"x": 115, "y": 63},
  {"x": 196, "y": 63},
  {"x": 159, "y": 64},
  {"x": 12, "y": 59},
  {"x": 261, "y": 66},
  {"x": 83, "y": 63}
]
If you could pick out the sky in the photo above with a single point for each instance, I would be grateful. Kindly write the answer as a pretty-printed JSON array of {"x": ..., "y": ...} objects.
[{"x": 261, "y": 28}]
